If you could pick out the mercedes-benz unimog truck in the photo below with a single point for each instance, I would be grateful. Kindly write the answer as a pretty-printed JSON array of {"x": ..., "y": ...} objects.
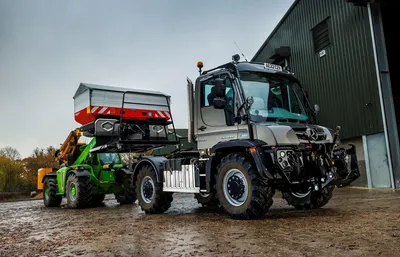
[{"x": 254, "y": 132}]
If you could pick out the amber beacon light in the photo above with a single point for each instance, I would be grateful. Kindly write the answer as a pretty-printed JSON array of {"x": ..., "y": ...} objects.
[{"x": 200, "y": 65}]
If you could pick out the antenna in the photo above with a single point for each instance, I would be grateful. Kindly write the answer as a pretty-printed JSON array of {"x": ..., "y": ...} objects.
[{"x": 240, "y": 51}]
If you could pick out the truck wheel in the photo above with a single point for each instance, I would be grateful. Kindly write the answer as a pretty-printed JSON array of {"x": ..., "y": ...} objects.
[
  {"x": 128, "y": 194},
  {"x": 240, "y": 191},
  {"x": 308, "y": 199},
  {"x": 97, "y": 200},
  {"x": 50, "y": 197},
  {"x": 78, "y": 191},
  {"x": 207, "y": 200},
  {"x": 149, "y": 192}
]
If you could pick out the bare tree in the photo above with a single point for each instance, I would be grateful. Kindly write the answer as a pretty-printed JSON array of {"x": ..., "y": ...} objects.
[{"x": 11, "y": 153}]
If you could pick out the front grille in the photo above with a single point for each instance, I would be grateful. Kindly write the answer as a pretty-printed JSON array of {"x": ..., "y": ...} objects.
[
  {"x": 302, "y": 133},
  {"x": 302, "y": 136}
]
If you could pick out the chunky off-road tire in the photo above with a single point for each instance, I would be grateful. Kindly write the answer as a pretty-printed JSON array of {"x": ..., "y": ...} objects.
[
  {"x": 240, "y": 190},
  {"x": 97, "y": 200},
  {"x": 50, "y": 197},
  {"x": 309, "y": 200},
  {"x": 207, "y": 200},
  {"x": 128, "y": 195},
  {"x": 78, "y": 192},
  {"x": 149, "y": 192}
]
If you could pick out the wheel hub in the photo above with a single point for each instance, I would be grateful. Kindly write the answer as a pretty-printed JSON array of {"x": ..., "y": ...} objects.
[
  {"x": 73, "y": 192},
  {"x": 235, "y": 187},
  {"x": 147, "y": 189}
]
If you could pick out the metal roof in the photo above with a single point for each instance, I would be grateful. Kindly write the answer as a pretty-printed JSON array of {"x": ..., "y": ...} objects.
[{"x": 87, "y": 86}]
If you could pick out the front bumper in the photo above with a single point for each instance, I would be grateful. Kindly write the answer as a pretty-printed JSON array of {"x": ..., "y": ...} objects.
[{"x": 312, "y": 165}]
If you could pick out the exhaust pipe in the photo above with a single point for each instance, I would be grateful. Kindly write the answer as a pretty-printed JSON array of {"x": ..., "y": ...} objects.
[{"x": 190, "y": 98}]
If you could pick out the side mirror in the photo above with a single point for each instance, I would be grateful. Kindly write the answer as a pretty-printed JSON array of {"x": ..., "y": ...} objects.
[
  {"x": 316, "y": 109},
  {"x": 219, "y": 88},
  {"x": 219, "y": 103}
]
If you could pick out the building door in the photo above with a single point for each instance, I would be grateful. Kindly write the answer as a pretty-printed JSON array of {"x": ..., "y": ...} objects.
[
  {"x": 377, "y": 160},
  {"x": 382, "y": 16}
]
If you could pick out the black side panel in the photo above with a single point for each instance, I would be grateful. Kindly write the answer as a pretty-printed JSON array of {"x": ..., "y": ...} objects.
[{"x": 51, "y": 174}]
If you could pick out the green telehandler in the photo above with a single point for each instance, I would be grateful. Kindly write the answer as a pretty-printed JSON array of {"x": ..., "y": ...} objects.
[{"x": 85, "y": 178}]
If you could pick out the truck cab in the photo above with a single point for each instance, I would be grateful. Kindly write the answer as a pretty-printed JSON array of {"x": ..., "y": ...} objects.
[{"x": 264, "y": 96}]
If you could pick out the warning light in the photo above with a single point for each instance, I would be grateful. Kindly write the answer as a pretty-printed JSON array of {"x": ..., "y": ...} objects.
[{"x": 200, "y": 65}]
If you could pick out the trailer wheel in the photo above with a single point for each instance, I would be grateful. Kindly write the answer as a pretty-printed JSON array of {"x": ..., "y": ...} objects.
[
  {"x": 308, "y": 199},
  {"x": 149, "y": 192},
  {"x": 206, "y": 200},
  {"x": 50, "y": 197},
  {"x": 128, "y": 195},
  {"x": 78, "y": 192},
  {"x": 240, "y": 190}
]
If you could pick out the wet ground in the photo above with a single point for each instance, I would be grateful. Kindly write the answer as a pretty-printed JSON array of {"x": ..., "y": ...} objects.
[{"x": 355, "y": 223}]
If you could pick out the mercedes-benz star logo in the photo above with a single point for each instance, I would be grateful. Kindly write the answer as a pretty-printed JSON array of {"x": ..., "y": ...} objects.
[{"x": 312, "y": 134}]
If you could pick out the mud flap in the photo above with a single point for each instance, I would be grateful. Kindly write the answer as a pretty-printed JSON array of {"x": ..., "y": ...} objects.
[{"x": 346, "y": 165}]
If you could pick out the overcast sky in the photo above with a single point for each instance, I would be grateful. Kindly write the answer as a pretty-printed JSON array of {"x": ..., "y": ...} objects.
[{"x": 48, "y": 47}]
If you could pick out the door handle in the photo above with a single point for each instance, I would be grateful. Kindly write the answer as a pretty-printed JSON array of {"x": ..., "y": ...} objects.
[{"x": 202, "y": 128}]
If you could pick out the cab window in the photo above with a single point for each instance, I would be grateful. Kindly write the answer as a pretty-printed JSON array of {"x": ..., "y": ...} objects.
[{"x": 108, "y": 158}]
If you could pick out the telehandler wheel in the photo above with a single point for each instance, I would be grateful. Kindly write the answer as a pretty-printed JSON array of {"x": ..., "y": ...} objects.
[
  {"x": 78, "y": 192},
  {"x": 128, "y": 195},
  {"x": 309, "y": 199},
  {"x": 50, "y": 197},
  {"x": 149, "y": 192},
  {"x": 207, "y": 200},
  {"x": 240, "y": 190}
]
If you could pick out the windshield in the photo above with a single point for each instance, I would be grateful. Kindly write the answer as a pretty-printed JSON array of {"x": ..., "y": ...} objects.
[
  {"x": 275, "y": 97},
  {"x": 108, "y": 158}
]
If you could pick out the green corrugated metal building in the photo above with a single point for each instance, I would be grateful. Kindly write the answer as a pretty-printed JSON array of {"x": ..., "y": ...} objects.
[{"x": 340, "y": 51}]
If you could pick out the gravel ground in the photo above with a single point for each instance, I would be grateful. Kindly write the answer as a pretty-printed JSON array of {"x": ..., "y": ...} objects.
[{"x": 355, "y": 223}]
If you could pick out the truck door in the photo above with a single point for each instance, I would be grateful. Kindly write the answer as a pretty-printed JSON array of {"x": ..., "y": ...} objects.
[{"x": 214, "y": 125}]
